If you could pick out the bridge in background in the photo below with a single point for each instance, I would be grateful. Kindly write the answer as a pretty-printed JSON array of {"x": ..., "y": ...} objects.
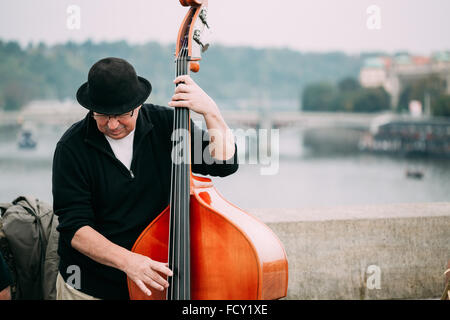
[
  {"x": 66, "y": 113},
  {"x": 235, "y": 119},
  {"x": 304, "y": 120}
]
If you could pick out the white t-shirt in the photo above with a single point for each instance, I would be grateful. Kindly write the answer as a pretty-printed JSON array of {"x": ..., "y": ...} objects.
[{"x": 123, "y": 148}]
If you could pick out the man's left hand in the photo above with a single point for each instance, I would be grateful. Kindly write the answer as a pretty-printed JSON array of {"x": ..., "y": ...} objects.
[{"x": 188, "y": 94}]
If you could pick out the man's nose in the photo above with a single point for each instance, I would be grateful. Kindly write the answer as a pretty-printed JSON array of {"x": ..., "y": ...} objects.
[{"x": 113, "y": 123}]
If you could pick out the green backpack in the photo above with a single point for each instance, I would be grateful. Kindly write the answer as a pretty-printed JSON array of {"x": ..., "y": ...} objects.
[{"x": 29, "y": 243}]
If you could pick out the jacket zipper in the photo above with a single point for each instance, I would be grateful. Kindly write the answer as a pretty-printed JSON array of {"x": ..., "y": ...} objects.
[{"x": 114, "y": 158}]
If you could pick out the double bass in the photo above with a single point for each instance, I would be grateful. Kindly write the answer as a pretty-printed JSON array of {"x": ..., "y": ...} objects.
[{"x": 215, "y": 250}]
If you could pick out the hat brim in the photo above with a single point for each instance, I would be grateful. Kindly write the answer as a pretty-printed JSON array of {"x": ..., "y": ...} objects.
[{"x": 145, "y": 88}]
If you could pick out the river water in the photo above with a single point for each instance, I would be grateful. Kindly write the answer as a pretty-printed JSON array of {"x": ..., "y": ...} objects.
[{"x": 302, "y": 178}]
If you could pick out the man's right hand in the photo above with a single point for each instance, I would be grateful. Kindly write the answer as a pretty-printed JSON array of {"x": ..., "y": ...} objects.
[
  {"x": 141, "y": 269},
  {"x": 146, "y": 272}
]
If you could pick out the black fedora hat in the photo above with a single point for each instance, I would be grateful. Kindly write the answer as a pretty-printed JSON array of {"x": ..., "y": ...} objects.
[{"x": 113, "y": 87}]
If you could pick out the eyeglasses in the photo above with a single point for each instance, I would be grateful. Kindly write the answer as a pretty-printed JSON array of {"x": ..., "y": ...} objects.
[{"x": 105, "y": 117}]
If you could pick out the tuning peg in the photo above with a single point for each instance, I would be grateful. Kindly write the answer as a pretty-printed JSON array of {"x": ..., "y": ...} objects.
[
  {"x": 197, "y": 37},
  {"x": 203, "y": 15}
]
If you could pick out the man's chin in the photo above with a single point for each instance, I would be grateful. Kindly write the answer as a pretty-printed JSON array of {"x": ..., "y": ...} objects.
[{"x": 118, "y": 135}]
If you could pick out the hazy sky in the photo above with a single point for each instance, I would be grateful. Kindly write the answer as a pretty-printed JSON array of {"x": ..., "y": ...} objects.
[{"x": 419, "y": 26}]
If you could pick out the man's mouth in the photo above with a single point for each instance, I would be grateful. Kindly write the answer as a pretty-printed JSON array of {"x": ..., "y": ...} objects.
[{"x": 115, "y": 132}]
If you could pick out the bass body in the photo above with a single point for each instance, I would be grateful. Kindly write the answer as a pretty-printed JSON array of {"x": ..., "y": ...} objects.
[{"x": 233, "y": 255}]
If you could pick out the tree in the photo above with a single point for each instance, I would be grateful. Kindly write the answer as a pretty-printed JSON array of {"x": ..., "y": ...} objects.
[
  {"x": 319, "y": 97},
  {"x": 441, "y": 108},
  {"x": 349, "y": 89},
  {"x": 371, "y": 100},
  {"x": 347, "y": 96},
  {"x": 42, "y": 71},
  {"x": 348, "y": 85}
]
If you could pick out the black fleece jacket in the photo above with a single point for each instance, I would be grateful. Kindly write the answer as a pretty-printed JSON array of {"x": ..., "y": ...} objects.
[{"x": 91, "y": 187}]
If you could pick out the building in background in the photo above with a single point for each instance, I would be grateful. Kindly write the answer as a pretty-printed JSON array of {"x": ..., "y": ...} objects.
[{"x": 395, "y": 73}]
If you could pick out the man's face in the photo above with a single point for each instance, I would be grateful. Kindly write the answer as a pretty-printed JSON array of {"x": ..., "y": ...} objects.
[{"x": 117, "y": 127}]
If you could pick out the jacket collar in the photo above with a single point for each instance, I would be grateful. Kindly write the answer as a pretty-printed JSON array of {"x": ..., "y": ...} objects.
[{"x": 97, "y": 139}]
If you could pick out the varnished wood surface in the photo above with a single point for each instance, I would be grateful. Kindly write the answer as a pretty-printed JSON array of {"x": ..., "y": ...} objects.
[
  {"x": 233, "y": 255},
  {"x": 191, "y": 3}
]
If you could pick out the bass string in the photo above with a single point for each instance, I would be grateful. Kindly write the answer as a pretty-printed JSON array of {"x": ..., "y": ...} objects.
[
  {"x": 171, "y": 217},
  {"x": 180, "y": 196},
  {"x": 180, "y": 191},
  {"x": 186, "y": 193},
  {"x": 185, "y": 190},
  {"x": 181, "y": 290},
  {"x": 172, "y": 224},
  {"x": 180, "y": 207}
]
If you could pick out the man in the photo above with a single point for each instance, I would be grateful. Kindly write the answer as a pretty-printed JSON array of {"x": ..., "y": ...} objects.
[{"x": 111, "y": 178}]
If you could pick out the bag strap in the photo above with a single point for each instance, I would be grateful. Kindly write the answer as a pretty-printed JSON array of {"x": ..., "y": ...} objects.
[{"x": 38, "y": 219}]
